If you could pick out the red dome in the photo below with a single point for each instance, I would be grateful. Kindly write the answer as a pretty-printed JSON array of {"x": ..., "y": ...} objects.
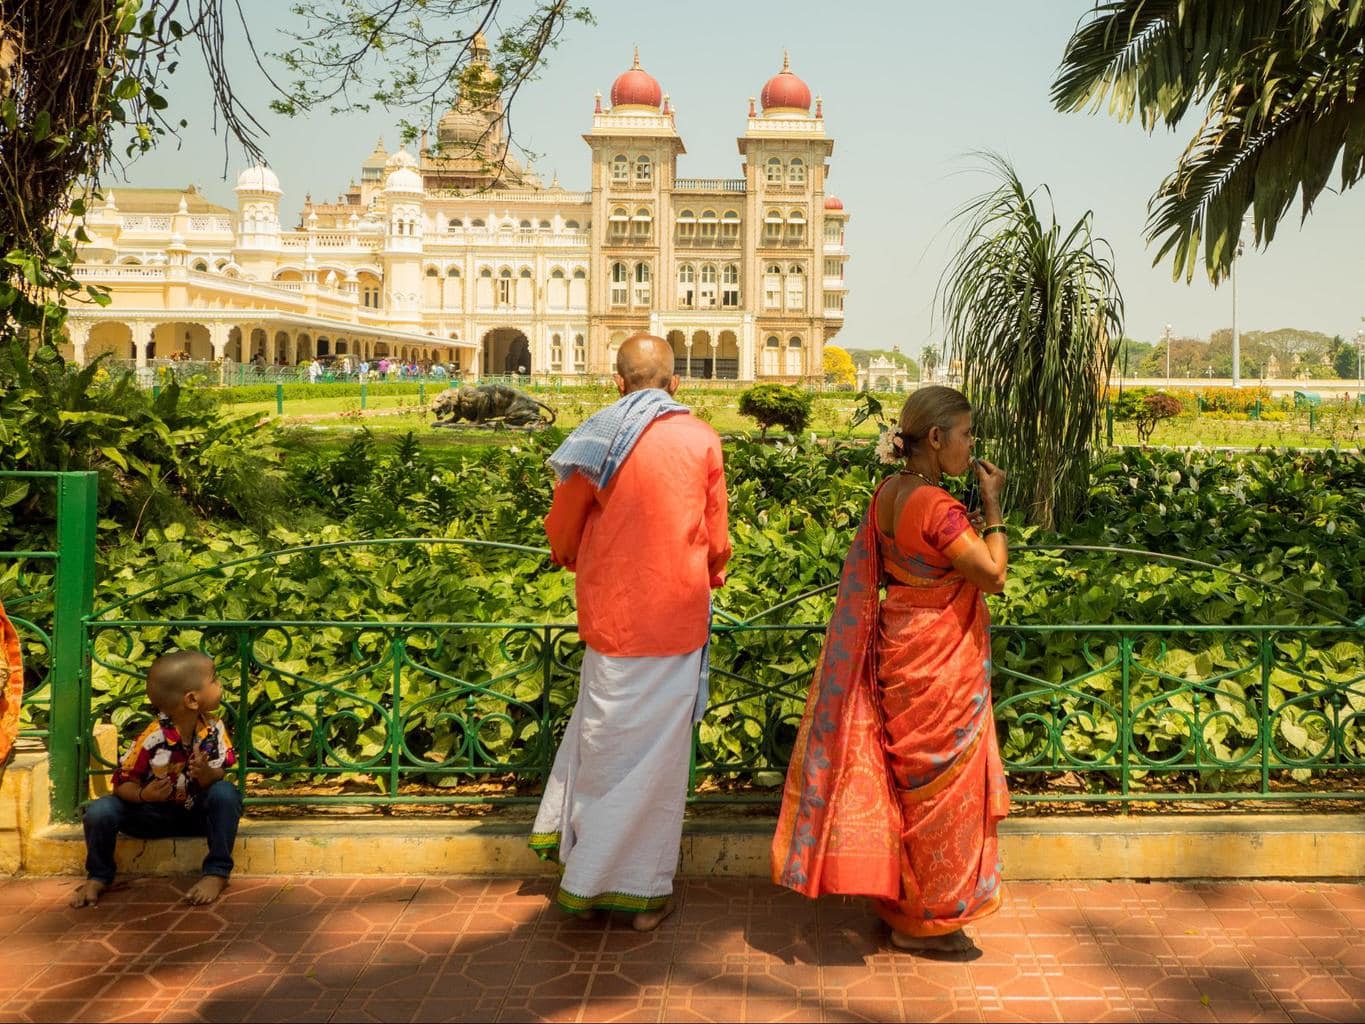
[
  {"x": 785, "y": 91},
  {"x": 831, "y": 203},
  {"x": 636, "y": 88}
]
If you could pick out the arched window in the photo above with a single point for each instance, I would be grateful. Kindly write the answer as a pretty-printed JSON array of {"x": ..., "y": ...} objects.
[
  {"x": 453, "y": 272},
  {"x": 772, "y": 227},
  {"x": 708, "y": 224},
  {"x": 580, "y": 353},
  {"x": 619, "y": 221},
  {"x": 707, "y": 293},
  {"x": 729, "y": 289},
  {"x": 773, "y": 342},
  {"x": 556, "y": 353},
  {"x": 796, "y": 172},
  {"x": 640, "y": 223},
  {"x": 525, "y": 272},
  {"x": 485, "y": 272},
  {"x": 524, "y": 225},
  {"x": 772, "y": 286},
  {"x": 642, "y": 280},
  {"x": 477, "y": 222},
  {"x": 571, "y": 225},
  {"x": 644, "y": 170},
  {"x": 687, "y": 286},
  {"x": 432, "y": 272},
  {"x": 578, "y": 289},
  {"x": 545, "y": 225},
  {"x": 620, "y": 169},
  {"x": 201, "y": 266},
  {"x": 687, "y": 224},
  {"x": 796, "y": 225},
  {"x": 729, "y": 225},
  {"x": 794, "y": 341},
  {"x": 504, "y": 287},
  {"x": 774, "y": 171},
  {"x": 558, "y": 292},
  {"x": 796, "y": 286},
  {"x": 620, "y": 282}
]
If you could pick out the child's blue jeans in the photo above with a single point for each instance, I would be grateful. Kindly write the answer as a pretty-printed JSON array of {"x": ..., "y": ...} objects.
[{"x": 215, "y": 814}]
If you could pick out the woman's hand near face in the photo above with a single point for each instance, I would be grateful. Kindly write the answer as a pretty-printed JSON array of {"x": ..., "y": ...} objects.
[{"x": 991, "y": 479}]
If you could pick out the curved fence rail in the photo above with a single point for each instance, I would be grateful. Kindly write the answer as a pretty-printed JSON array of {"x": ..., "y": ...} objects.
[{"x": 398, "y": 712}]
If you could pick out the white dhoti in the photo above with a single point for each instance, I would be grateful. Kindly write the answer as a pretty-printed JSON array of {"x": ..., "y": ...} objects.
[{"x": 613, "y": 806}]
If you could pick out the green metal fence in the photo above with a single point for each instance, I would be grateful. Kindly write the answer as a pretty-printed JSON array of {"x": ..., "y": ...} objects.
[{"x": 399, "y": 712}]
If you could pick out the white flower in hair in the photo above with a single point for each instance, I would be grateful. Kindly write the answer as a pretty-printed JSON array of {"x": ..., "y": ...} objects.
[{"x": 888, "y": 451}]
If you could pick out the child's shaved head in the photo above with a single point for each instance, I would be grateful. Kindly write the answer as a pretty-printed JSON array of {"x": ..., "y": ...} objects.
[{"x": 176, "y": 674}]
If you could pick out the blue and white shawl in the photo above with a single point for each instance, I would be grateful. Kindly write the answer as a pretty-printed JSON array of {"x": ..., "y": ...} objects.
[
  {"x": 601, "y": 443},
  {"x": 598, "y": 448}
]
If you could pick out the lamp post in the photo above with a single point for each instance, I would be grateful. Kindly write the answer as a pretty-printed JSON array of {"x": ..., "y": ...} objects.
[
  {"x": 1166, "y": 337},
  {"x": 1360, "y": 358}
]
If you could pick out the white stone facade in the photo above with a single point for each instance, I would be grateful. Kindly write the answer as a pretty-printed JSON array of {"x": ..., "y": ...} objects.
[{"x": 463, "y": 257}]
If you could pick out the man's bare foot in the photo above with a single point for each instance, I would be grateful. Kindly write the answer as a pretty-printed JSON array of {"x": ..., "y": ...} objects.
[
  {"x": 87, "y": 894},
  {"x": 651, "y": 919},
  {"x": 952, "y": 942},
  {"x": 206, "y": 890},
  {"x": 591, "y": 914}
]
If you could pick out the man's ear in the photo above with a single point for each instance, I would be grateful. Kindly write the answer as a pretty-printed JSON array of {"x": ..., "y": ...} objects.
[
  {"x": 672, "y": 386},
  {"x": 620, "y": 383}
]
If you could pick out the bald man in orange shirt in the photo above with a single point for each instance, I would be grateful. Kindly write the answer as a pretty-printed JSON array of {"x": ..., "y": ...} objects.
[{"x": 639, "y": 514}]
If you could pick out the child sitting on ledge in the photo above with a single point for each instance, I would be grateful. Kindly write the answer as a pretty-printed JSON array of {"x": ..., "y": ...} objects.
[{"x": 171, "y": 783}]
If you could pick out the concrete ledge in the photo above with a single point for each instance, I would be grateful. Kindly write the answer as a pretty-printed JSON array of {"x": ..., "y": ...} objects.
[{"x": 1145, "y": 847}]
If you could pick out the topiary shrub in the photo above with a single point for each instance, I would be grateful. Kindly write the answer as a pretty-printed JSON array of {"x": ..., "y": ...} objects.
[
  {"x": 776, "y": 405},
  {"x": 1154, "y": 409}
]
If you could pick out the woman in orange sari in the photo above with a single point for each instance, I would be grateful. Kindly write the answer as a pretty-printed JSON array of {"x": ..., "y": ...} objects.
[{"x": 895, "y": 786}]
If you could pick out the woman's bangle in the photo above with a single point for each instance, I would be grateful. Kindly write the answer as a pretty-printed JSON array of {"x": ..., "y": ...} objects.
[{"x": 994, "y": 528}]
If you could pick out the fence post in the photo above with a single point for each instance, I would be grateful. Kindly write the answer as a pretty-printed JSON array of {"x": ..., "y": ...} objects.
[
  {"x": 279, "y": 399},
  {"x": 156, "y": 392},
  {"x": 422, "y": 393},
  {"x": 362, "y": 394},
  {"x": 1312, "y": 419},
  {"x": 1109, "y": 422},
  {"x": 73, "y": 596},
  {"x": 1256, "y": 410}
]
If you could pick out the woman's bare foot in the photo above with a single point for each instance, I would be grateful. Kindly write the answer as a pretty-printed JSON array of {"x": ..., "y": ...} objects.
[
  {"x": 952, "y": 942},
  {"x": 87, "y": 894},
  {"x": 651, "y": 919},
  {"x": 206, "y": 890}
]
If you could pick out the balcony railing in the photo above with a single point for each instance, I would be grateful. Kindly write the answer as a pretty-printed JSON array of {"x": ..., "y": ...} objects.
[{"x": 710, "y": 185}]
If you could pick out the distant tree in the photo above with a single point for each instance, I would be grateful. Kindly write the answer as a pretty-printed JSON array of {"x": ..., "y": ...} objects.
[
  {"x": 1131, "y": 356},
  {"x": 839, "y": 368},
  {"x": 1281, "y": 82},
  {"x": 1345, "y": 359},
  {"x": 929, "y": 359},
  {"x": 1151, "y": 411}
]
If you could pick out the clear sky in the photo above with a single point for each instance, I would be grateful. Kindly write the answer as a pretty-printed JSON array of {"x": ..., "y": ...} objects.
[{"x": 911, "y": 87}]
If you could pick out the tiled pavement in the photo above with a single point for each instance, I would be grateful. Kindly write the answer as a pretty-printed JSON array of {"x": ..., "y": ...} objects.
[{"x": 434, "y": 949}]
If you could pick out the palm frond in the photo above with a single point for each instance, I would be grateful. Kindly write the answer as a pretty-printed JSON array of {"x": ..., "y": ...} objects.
[{"x": 1034, "y": 314}]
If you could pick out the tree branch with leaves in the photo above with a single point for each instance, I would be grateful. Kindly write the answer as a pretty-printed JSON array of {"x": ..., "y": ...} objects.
[{"x": 1282, "y": 83}]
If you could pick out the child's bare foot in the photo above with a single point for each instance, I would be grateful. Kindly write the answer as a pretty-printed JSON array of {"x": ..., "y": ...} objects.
[
  {"x": 206, "y": 890},
  {"x": 87, "y": 894},
  {"x": 651, "y": 919},
  {"x": 953, "y": 942}
]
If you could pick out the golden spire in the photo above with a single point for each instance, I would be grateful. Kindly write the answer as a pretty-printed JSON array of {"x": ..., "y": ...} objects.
[
  {"x": 636, "y": 65},
  {"x": 786, "y": 61}
]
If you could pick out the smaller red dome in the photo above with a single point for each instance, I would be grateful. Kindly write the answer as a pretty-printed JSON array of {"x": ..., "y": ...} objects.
[
  {"x": 636, "y": 87},
  {"x": 785, "y": 91},
  {"x": 831, "y": 203}
]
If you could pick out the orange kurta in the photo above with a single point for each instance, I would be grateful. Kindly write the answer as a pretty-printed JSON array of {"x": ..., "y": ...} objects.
[{"x": 650, "y": 546}]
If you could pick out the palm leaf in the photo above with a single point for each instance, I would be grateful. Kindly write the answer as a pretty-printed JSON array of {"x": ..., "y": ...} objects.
[{"x": 1033, "y": 314}]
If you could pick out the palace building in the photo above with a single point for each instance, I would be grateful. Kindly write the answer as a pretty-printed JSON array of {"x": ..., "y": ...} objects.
[{"x": 462, "y": 256}]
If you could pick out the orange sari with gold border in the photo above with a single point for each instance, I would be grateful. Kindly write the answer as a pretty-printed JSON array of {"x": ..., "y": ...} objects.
[
  {"x": 11, "y": 687},
  {"x": 895, "y": 786}
]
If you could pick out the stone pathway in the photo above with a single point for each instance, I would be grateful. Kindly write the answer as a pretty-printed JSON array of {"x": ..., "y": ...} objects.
[{"x": 440, "y": 949}]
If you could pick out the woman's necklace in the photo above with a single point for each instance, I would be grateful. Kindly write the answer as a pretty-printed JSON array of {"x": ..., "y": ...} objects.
[{"x": 915, "y": 472}]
